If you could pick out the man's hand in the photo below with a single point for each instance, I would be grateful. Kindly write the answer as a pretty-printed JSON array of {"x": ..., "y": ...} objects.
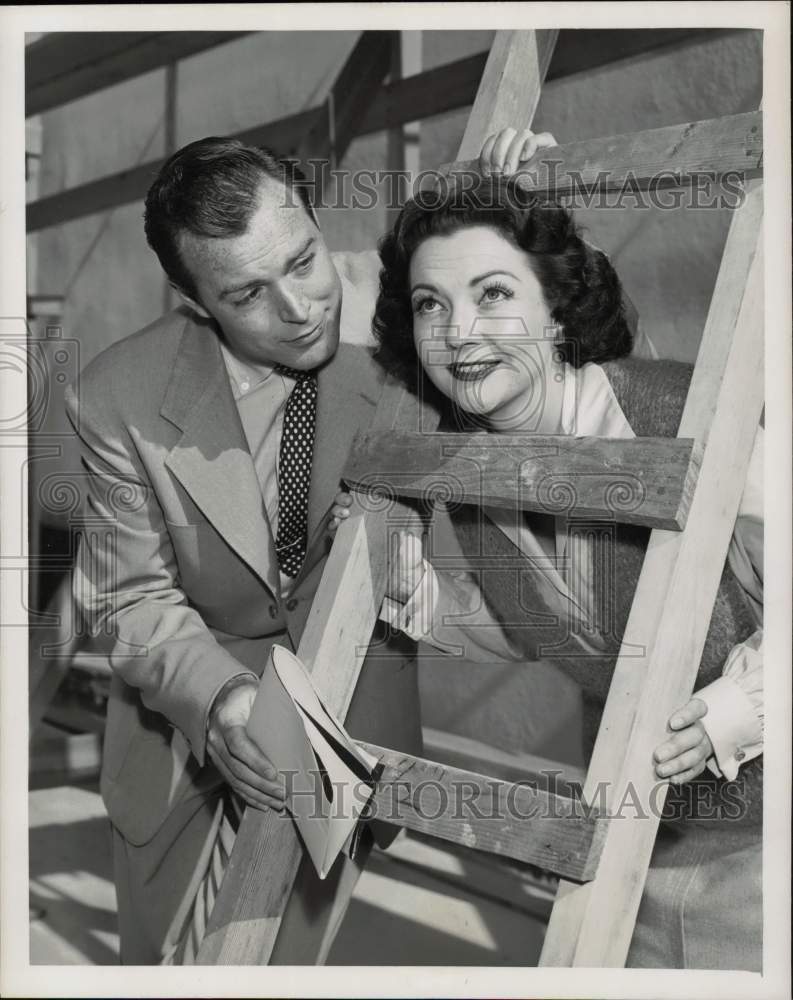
[
  {"x": 340, "y": 510},
  {"x": 505, "y": 151},
  {"x": 684, "y": 755},
  {"x": 241, "y": 763}
]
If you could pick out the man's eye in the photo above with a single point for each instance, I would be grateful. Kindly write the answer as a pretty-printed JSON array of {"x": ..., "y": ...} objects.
[
  {"x": 496, "y": 293},
  {"x": 426, "y": 305},
  {"x": 249, "y": 297},
  {"x": 304, "y": 263}
]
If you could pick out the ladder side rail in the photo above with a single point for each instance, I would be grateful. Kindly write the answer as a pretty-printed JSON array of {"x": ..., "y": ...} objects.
[{"x": 673, "y": 603}]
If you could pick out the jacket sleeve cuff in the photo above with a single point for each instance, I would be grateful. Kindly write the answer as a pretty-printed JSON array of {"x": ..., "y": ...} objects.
[
  {"x": 196, "y": 735},
  {"x": 733, "y": 726}
]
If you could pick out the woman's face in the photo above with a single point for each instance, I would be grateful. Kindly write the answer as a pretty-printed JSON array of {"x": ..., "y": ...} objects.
[{"x": 483, "y": 330}]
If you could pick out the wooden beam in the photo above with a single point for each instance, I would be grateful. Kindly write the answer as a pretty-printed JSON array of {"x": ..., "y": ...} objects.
[
  {"x": 646, "y": 481},
  {"x": 348, "y": 98},
  {"x": 433, "y": 92},
  {"x": 511, "y": 820},
  {"x": 63, "y": 66},
  {"x": 473, "y": 755},
  {"x": 511, "y": 83},
  {"x": 670, "y": 615},
  {"x": 673, "y": 156},
  {"x": 247, "y": 915}
]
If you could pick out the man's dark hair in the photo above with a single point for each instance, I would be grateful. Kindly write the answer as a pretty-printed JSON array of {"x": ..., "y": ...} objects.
[
  {"x": 580, "y": 286},
  {"x": 210, "y": 188}
]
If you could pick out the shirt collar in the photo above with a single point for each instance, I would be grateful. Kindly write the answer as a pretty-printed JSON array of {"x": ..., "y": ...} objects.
[
  {"x": 244, "y": 376},
  {"x": 589, "y": 406}
]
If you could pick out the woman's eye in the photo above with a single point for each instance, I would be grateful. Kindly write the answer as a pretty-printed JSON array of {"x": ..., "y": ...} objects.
[
  {"x": 496, "y": 293},
  {"x": 426, "y": 305}
]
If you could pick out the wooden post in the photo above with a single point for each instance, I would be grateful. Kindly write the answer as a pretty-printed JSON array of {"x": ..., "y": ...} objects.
[{"x": 593, "y": 924}]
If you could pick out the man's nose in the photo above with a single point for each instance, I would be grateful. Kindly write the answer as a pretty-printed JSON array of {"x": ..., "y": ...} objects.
[{"x": 293, "y": 306}]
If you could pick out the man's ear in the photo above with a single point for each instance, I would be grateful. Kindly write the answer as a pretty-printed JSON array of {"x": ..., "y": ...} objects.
[{"x": 190, "y": 302}]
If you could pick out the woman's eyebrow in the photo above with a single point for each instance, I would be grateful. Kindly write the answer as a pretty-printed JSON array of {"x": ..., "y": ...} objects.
[
  {"x": 489, "y": 274},
  {"x": 426, "y": 287}
]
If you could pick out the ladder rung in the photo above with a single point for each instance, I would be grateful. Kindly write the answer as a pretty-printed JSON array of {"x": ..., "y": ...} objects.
[
  {"x": 514, "y": 820},
  {"x": 673, "y": 156},
  {"x": 648, "y": 481}
]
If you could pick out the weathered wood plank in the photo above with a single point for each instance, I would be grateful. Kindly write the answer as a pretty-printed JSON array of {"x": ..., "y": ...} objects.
[
  {"x": 513, "y": 820},
  {"x": 655, "y": 159},
  {"x": 247, "y": 914},
  {"x": 633, "y": 481},
  {"x": 473, "y": 755},
  {"x": 593, "y": 925},
  {"x": 352, "y": 92},
  {"x": 511, "y": 83},
  {"x": 63, "y": 66}
]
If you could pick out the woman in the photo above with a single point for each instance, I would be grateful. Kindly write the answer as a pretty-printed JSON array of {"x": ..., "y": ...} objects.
[{"x": 498, "y": 302}]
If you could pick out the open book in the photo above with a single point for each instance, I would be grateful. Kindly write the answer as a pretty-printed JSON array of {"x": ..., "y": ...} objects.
[{"x": 329, "y": 780}]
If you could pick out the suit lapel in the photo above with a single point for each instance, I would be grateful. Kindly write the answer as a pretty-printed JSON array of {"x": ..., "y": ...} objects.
[
  {"x": 348, "y": 391},
  {"x": 212, "y": 460}
]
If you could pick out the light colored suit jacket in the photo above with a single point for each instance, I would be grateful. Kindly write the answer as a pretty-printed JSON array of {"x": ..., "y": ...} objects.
[{"x": 177, "y": 572}]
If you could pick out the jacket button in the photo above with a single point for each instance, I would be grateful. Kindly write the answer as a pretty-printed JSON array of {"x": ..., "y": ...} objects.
[
  {"x": 291, "y": 604},
  {"x": 739, "y": 755},
  {"x": 273, "y": 611}
]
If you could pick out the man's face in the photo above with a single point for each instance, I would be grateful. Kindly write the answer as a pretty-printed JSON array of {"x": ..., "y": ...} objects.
[{"x": 273, "y": 291}]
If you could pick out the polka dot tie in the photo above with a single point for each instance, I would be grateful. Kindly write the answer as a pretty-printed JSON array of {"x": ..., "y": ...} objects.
[{"x": 294, "y": 471}]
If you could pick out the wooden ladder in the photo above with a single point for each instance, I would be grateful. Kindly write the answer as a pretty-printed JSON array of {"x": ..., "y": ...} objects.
[{"x": 693, "y": 482}]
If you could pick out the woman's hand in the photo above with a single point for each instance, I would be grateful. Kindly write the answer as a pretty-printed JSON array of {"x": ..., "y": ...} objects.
[
  {"x": 505, "y": 151},
  {"x": 340, "y": 510},
  {"x": 683, "y": 756},
  {"x": 405, "y": 566}
]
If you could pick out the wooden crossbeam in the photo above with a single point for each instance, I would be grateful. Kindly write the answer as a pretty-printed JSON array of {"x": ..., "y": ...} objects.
[
  {"x": 348, "y": 99},
  {"x": 513, "y": 765},
  {"x": 433, "y": 92},
  {"x": 593, "y": 925},
  {"x": 63, "y": 66},
  {"x": 511, "y": 819},
  {"x": 247, "y": 915},
  {"x": 646, "y": 481},
  {"x": 655, "y": 159}
]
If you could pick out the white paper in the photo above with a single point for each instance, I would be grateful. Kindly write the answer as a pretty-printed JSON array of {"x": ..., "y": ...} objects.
[{"x": 295, "y": 730}]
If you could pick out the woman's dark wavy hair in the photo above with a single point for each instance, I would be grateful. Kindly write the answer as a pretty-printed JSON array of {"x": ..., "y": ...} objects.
[{"x": 581, "y": 288}]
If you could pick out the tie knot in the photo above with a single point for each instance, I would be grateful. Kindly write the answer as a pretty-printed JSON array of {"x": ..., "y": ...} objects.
[{"x": 298, "y": 376}]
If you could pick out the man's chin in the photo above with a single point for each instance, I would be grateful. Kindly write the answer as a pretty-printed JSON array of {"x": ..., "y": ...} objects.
[{"x": 320, "y": 353}]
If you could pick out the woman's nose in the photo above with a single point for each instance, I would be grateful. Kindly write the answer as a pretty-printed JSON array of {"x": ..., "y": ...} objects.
[{"x": 461, "y": 329}]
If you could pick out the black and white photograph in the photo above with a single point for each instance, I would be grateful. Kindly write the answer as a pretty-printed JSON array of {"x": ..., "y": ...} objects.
[{"x": 395, "y": 471}]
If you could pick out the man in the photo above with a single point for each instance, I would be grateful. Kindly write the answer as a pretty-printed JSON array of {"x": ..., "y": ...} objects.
[{"x": 213, "y": 442}]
